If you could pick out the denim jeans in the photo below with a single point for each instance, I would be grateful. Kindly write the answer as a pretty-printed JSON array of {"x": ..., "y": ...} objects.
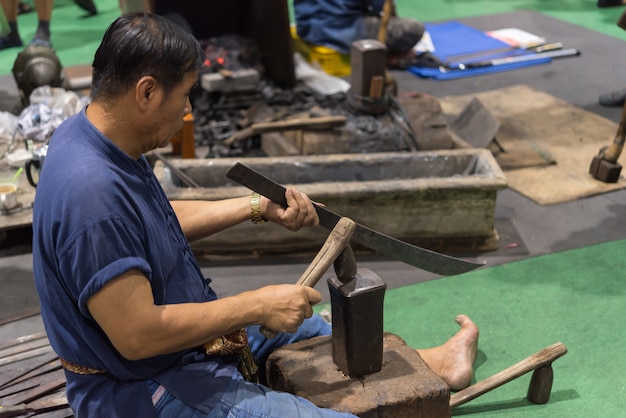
[{"x": 244, "y": 399}]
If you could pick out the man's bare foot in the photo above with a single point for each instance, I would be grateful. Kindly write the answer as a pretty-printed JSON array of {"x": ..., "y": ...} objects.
[{"x": 453, "y": 360}]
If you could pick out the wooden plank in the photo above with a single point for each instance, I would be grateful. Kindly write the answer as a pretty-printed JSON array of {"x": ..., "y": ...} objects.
[
  {"x": 61, "y": 413},
  {"x": 34, "y": 393},
  {"x": 31, "y": 383},
  {"x": 15, "y": 389},
  {"x": 23, "y": 347},
  {"x": 25, "y": 355},
  {"x": 23, "y": 339},
  {"x": 27, "y": 215},
  {"x": 32, "y": 366},
  {"x": 47, "y": 368}
]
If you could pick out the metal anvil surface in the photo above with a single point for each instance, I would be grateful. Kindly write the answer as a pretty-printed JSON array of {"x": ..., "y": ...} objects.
[{"x": 357, "y": 312}]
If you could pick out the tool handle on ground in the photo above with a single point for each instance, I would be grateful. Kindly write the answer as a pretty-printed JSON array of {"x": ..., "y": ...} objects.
[
  {"x": 539, "y": 359},
  {"x": 614, "y": 150},
  {"x": 337, "y": 240},
  {"x": 322, "y": 122}
]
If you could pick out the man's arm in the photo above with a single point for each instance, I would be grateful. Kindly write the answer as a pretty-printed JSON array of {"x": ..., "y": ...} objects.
[
  {"x": 200, "y": 218},
  {"x": 125, "y": 310}
]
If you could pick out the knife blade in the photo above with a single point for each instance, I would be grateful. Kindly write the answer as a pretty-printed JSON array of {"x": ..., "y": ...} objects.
[{"x": 425, "y": 259}]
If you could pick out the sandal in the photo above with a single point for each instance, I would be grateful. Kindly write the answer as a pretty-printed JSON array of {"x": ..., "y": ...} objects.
[
  {"x": 610, "y": 3},
  {"x": 87, "y": 5},
  {"x": 41, "y": 42},
  {"x": 8, "y": 42},
  {"x": 23, "y": 8},
  {"x": 613, "y": 99}
]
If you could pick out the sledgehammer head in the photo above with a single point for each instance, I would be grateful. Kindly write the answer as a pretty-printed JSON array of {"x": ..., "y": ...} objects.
[
  {"x": 604, "y": 170},
  {"x": 622, "y": 20}
]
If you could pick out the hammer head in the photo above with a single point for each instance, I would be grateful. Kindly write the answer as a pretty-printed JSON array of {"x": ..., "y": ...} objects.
[
  {"x": 622, "y": 20},
  {"x": 604, "y": 170},
  {"x": 345, "y": 265}
]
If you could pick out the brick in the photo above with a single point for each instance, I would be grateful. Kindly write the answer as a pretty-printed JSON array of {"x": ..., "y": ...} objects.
[{"x": 404, "y": 387}]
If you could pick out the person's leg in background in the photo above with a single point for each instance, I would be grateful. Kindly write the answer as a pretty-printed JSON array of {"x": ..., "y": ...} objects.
[
  {"x": 42, "y": 35},
  {"x": 12, "y": 39},
  {"x": 44, "y": 15}
]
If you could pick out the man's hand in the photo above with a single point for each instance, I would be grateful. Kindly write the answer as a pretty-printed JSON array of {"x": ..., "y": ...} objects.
[
  {"x": 299, "y": 212},
  {"x": 287, "y": 306}
]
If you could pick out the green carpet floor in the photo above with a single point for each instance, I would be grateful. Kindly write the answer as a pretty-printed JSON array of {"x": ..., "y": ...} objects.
[
  {"x": 76, "y": 37},
  {"x": 575, "y": 297}
]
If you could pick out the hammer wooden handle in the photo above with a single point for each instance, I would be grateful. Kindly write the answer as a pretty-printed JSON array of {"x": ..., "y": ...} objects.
[
  {"x": 337, "y": 240},
  {"x": 322, "y": 122},
  {"x": 539, "y": 359}
]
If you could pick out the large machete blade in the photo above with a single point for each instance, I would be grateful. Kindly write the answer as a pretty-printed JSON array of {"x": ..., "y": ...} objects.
[{"x": 416, "y": 256}]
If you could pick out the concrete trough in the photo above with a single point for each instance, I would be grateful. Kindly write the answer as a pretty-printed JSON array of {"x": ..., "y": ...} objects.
[{"x": 443, "y": 200}]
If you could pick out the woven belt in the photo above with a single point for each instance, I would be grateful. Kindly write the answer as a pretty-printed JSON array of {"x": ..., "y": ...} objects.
[
  {"x": 234, "y": 343},
  {"x": 78, "y": 369}
]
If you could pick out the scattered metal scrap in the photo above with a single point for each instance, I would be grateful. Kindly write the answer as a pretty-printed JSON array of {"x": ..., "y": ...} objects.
[{"x": 236, "y": 96}]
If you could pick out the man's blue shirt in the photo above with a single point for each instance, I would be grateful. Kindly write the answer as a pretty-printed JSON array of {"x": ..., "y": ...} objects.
[{"x": 99, "y": 213}]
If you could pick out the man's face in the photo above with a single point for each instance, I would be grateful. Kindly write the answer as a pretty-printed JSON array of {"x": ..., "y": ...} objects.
[{"x": 168, "y": 120}]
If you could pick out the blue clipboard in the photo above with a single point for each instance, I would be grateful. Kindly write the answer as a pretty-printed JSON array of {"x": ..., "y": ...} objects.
[{"x": 457, "y": 43}]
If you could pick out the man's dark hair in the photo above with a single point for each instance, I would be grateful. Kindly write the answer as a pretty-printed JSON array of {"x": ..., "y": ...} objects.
[{"x": 143, "y": 44}]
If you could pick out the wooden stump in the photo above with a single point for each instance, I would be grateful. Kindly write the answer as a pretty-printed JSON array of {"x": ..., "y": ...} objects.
[{"x": 405, "y": 386}]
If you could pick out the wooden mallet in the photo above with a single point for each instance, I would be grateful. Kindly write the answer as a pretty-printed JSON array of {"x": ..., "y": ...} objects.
[{"x": 540, "y": 382}]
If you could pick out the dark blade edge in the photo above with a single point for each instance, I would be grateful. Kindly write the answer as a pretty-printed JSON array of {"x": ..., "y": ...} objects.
[{"x": 408, "y": 253}]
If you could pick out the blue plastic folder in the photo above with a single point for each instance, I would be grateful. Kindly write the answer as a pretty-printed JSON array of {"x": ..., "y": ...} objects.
[{"x": 457, "y": 43}]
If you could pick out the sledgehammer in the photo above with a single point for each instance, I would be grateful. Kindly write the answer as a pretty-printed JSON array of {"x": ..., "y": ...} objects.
[
  {"x": 540, "y": 382},
  {"x": 604, "y": 166}
]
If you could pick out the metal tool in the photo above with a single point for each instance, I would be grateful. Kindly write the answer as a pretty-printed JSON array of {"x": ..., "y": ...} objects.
[
  {"x": 416, "y": 256},
  {"x": 337, "y": 240},
  {"x": 604, "y": 165},
  {"x": 516, "y": 59},
  {"x": 368, "y": 61}
]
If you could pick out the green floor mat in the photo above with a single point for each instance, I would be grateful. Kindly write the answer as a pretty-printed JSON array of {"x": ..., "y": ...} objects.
[{"x": 575, "y": 297}]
